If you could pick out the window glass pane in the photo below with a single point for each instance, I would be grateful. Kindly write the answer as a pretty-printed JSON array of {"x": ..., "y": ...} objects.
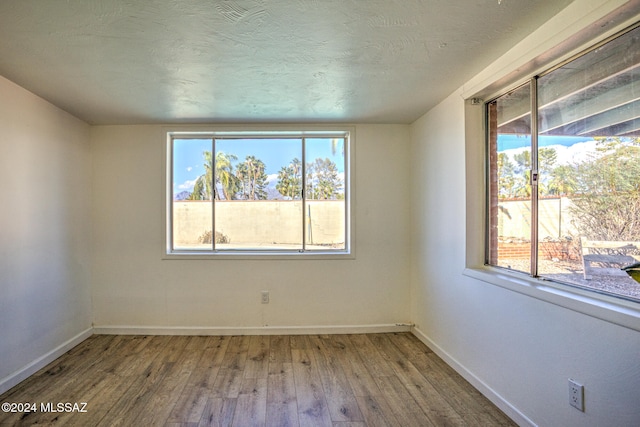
[
  {"x": 325, "y": 194},
  {"x": 273, "y": 191},
  {"x": 589, "y": 127},
  {"x": 192, "y": 194},
  {"x": 259, "y": 194},
  {"x": 509, "y": 231}
]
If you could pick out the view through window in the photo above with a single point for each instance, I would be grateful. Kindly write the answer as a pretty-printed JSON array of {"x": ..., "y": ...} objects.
[
  {"x": 564, "y": 175},
  {"x": 259, "y": 193}
]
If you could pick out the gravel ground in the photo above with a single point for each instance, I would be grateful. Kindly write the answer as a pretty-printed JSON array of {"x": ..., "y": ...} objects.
[{"x": 570, "y": 273}]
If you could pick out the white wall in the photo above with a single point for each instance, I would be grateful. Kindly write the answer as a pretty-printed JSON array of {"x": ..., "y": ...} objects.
[
  {"x": 133, "y": 286},
  {"x": 44, "y": 232},
  {"x": 518, "y": 349}
]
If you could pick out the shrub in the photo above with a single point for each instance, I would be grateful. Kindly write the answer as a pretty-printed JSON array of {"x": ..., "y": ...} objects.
[
  {"x": 220, "y": 238},
  {"x": 564, "y": 249}
]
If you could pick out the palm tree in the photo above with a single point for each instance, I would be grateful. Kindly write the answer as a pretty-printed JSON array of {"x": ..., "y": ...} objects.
[
  {"x": 296, "y": 165},
  {"x": 252, "y": 178},
  {"x": 335, "y": 142},
  {"x": 224, "y": 174},
  {"x": 289, "y": 179},
  {"x": 203, "y": 187},
  {"x": 198, "y": 192},
  {"x": 242, "y": 173}
]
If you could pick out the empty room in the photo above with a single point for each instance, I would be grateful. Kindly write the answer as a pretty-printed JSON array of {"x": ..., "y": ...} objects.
[{"x": 310, "y": 212}]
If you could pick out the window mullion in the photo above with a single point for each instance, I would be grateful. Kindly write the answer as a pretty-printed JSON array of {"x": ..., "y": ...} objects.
[
  {"x": 346, "y": 192},
  {"x": 213, "y": 194},
  {"x": 534, "y": 177},
  {"x": 304, "y": 193},
  {"x": 170, "y": 196}
]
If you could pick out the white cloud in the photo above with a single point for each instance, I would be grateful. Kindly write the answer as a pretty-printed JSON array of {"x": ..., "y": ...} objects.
[
  {"x": 573, "y": 154},
  {"x": 187, "y": 185},
  {"x": 273, "y": 179}
]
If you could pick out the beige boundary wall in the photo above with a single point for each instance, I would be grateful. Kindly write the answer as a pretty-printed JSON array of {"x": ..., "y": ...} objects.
[
  {"x": 278, "y": 221},
  {"x": 262, "y": 221},
  {"x": 514, "y": 218}
]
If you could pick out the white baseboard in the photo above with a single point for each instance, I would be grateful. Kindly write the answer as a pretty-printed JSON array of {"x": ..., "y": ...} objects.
[
  {"x": 17, "y": 377},
  {"x": 506, "y": 407},
  {"x": 251, "y": 330}
]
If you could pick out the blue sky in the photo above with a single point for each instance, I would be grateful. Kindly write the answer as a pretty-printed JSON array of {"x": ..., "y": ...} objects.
[
  {"x": 509, "y": 141},
  {"x": 570, "y": 150},
  {"x": 275, "y": 153}
]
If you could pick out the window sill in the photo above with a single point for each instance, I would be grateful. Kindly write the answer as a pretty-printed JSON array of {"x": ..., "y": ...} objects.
[
  {"x": 257, "y": 256},
  {"x": 613, "y": 310}
]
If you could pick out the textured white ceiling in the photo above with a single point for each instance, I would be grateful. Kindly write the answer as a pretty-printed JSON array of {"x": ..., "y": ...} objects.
[{"x": 174, "y": 61}]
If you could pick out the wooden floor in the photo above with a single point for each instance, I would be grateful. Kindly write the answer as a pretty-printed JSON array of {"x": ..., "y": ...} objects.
[{"x": 328, "y": 380}]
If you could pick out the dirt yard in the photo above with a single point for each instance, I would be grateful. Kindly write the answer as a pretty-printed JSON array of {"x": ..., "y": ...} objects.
[{"x": 570, "y": 272}]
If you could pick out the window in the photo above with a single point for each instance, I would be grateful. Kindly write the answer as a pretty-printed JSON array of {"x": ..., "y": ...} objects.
[
  {"x": 258, "y": 192},
  {"x": 564, "y": 172}
]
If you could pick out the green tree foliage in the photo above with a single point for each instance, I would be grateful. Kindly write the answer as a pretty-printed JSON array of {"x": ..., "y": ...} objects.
[
  {"x": 322, "y": 180},
  {"x": 515, "y": 179},
  {"x": 247, "y": 180},
  {"x": 203, "y": 188},
  {"x": 607, "y": 201},
  {"x": 522, "y": 172},
  {"x": 506, "y": 178},
  {"x": 252, "y": 178},
  {"x": 562, "y": 181},
  {"x": 604, "y": 189},
  {"x": 225, "y": 176},
  {"x": 290, "y": 180}
]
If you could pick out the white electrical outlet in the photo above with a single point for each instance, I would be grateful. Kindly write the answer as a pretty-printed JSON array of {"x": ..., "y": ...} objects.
[
  {"x": 265, "y": 297},
  {"x": 576, "y": 395}
]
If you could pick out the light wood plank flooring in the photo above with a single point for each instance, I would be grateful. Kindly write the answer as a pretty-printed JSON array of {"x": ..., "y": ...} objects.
[{"x": 328, "y": 380}]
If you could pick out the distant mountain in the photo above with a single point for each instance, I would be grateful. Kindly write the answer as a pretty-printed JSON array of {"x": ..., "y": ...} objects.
[
  {"x": 183, "y": 195},
  {"x": 273, "y": 194}
]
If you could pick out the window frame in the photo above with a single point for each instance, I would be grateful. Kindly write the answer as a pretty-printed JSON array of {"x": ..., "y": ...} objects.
[
  {"x": 259, "y": 132},
  {"x": 613, "y": 309},
  {"x": 534, "y": 114}
]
